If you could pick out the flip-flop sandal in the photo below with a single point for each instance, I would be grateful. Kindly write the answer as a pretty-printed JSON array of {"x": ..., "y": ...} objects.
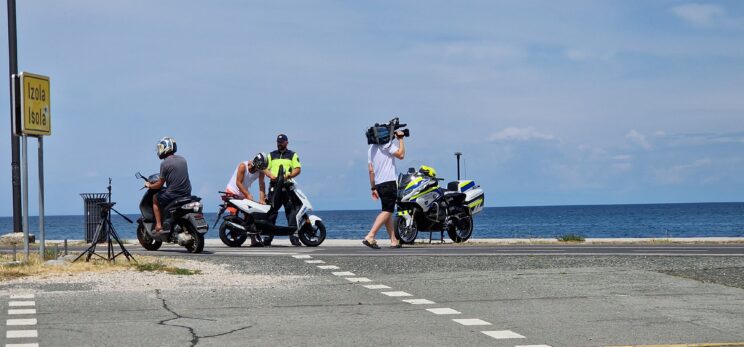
[
  {"x": 370, "y": 244},
  {"x": 397, "y": 246}
]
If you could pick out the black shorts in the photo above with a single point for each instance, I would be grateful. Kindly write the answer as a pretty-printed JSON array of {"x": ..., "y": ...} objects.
[
  {"x": 388, "y": 192},
  {"x": 166, "y": 197}
]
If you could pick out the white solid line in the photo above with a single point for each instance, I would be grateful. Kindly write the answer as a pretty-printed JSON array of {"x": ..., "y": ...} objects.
[
  {"x": 22, "y": 296},
  {"x": 17, "y": 334},
  {"x": 472, "y": 321},
  {"x": 376, "y": 286},
  {"x": 28, "y": 321},
  {"x": 22, "y": 311},
  {"x": 396, "y": 294},
  {"x": 419, "y": 301},
  {"x": 328, "y": 267},
  {"x": 442, "y": 311},
  {"x": 358, "y": 279},
  {"x": 344, "y": 273},
  {"x": 21, "y": 345},
  {"x": 301, "y": 256},
  {"x": 21, "y": 303},
  {"x": 503, "y": 334},
  {"x": 314, "y": 261}
]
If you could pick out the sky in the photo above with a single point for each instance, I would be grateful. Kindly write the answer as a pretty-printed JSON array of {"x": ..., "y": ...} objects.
[{"x": 550, "y": 102}]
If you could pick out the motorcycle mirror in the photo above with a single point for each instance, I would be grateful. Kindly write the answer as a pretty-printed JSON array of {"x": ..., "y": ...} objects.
[{"x": 138, "y": 175}]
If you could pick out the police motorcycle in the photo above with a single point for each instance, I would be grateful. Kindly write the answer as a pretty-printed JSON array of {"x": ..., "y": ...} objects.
[
  {"x": 253, "y": 218},
  {"x": 182, "y": 219},
  {"x": 424, "y": 205}
]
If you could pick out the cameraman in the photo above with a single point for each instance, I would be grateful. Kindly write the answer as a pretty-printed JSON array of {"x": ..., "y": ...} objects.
[{"x": 382, "y": 179}]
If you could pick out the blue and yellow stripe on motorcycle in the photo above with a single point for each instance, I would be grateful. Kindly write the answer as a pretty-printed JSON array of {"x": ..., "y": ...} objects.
[
  {"x": 414, "y": 183},
  {"x": 475, "y": 203},
  {"x": 424, "y": 192},
  {"x": 403, "y": 213},
  {"x": 465, "y": 185}
]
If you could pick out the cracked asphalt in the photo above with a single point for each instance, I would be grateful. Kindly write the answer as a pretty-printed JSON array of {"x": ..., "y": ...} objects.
[{"x": 551, "y": 300}]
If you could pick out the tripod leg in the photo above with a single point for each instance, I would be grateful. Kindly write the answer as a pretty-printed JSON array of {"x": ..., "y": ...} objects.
[{"x": 123, "y": 250}]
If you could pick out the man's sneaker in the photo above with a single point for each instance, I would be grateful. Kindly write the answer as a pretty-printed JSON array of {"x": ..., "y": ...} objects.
[{"x": 294, "y": 240}]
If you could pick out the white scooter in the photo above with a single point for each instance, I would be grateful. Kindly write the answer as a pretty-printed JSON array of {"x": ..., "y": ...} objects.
[{"x": 253, "y": 218}]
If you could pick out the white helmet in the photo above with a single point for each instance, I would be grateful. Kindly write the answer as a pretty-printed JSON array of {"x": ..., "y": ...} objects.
[{"x": 166, "y": 146}]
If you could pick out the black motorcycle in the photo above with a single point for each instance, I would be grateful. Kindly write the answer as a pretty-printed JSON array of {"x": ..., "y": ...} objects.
[{"x": 182, "y": 219}]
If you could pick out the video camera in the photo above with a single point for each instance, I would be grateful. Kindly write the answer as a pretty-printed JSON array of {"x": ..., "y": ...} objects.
[{"x": 381, "y": 134}]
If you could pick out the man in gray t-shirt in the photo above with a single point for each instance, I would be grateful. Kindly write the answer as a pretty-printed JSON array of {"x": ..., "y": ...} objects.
[{"x": 174, "y": 174}]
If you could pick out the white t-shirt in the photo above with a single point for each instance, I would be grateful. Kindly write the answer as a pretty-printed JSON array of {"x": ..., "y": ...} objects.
[
  {"x": 248, "y": 180},
  {"x": 383, "y": 162}
]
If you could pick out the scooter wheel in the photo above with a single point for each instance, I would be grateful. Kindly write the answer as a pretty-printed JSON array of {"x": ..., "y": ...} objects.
[
  {"x": 146, "y": 241},
  {"x": 232, "y": 237},
  {"x": 312, "y": 235}
]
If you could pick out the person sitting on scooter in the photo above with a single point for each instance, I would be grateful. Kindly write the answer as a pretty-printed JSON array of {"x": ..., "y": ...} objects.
[
  {"x": 291, "y": 163},
  {"x": 174, "y": 174},
  {"x": 242, "y": 178}
]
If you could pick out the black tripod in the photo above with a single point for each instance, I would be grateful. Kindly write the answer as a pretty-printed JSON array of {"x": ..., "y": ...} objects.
[{"x": 105, "y": 226}]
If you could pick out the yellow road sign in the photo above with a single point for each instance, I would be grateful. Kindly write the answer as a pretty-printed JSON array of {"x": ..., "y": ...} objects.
[{"x": 36, "y": 106}]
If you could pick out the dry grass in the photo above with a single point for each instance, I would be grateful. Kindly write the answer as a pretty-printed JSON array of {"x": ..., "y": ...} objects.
[{"x": 35, "y": 267}]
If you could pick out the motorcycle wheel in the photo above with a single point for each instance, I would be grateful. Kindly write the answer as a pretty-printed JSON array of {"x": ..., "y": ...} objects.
[
  {"x": 146, "y": 241},
  {"x": 462, "y": 231},
  {"x": 405, "y": 234},
  {"x": 313, "y": 235},
  {"x": 198, "y": 245},
  {"x": 267, "y": 240},
  {"x": 231, "y": 237}
]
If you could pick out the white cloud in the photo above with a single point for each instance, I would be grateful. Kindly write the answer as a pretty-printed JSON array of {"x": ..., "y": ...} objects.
[
  {"x": 583, "y": 55},
  {"x": 700, "y": 14},
  {"x": 499, "y": 53},
  {"x": 679, "y": 173},
  {"x": 638, "y": 138},
  {"x": 520, "y": 134}
]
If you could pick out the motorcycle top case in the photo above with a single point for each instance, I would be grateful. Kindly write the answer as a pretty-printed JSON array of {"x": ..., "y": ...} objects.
[{"x": 474, "y": 196}]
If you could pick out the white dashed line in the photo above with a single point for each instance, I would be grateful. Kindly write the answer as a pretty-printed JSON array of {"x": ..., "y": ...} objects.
[
  {"x": 29, "y": 321},
  {"x": 376, "y": 286},
  {"x": 21, "y": 345},
  {"x": 472, "y": 321},
  {"x": 344, "y": 273},
  {"x": 22, "y": 311},
  {"x": 328, "y": 267},
  {"x": 21, "y": 303},
  {"x": 301, "y": 256},
  {"x": 503, "y": 334},
  {"x": 396, "y": 294},
  {"x": 358, "y": 279},
  {"x": 22, "y": 296},
  {"x": 314, "y": 261},
  {"x": 419, "y": 301},
  {"x": 19, "y": 334},
  {"x": 442, "y": 311}
]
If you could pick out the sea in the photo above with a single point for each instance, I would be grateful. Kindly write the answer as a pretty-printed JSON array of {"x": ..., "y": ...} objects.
[{"x": 591, "y": 221}]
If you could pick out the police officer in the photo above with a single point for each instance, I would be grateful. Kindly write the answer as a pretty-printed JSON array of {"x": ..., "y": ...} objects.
[{"x": 291, "y": 162}]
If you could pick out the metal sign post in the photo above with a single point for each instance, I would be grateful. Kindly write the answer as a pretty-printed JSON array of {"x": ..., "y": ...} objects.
[
  {"x": 458, "y": 154},
  {"x": 36, "y": 121}
]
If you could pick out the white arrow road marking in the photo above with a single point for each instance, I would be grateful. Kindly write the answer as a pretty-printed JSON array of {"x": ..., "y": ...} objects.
[
  {"x": 396, "y": 294},
  {"x": 442, "y": 311},
  {"x": 472, "y": 321},
  {"x": 503, "y": 334},
  {"x": 419, "y": 301}
]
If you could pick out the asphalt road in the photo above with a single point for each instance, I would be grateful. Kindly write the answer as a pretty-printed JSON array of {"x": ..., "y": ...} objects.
[{"x": 551, "y": 295}]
